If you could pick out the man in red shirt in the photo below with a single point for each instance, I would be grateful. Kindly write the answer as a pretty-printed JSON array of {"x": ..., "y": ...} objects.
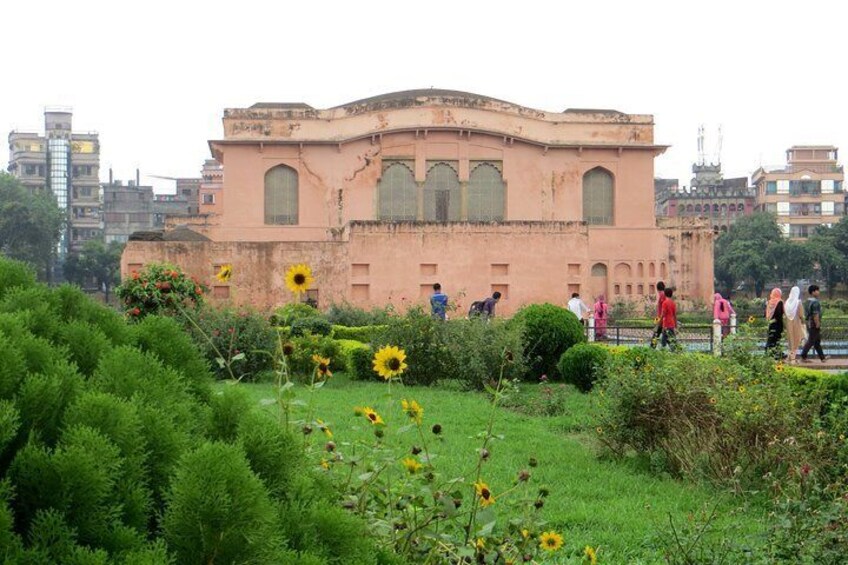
[
  {"x": 658, "y": 321},
  {"x": 668, "y": 320}
]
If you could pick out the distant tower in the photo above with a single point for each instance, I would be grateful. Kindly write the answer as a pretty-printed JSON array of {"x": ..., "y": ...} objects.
[{"x": 701, "y": 144}]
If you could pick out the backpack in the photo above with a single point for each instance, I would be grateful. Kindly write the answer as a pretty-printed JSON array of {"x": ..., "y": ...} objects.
[{"x": 476, "y": 308}]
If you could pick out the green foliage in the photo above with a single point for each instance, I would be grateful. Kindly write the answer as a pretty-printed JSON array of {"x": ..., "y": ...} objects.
[
  {"x": 12, "y": 367},
  {"x": 360, "y": 364},
  {"x": 37, "y": 306},
  {"x": 478, "y": 353},
  {"x": 274, "y": 455},
  {"x": 159, "y": 289},
  {"x": 43, "y": 399},
  {"x": 346, "y": 314},
  {"x": 223, "y": 334},
  {"x": 548, "y": 332},
  {"x": 164, "y": 338},
  {"x": 30, "y": 225},
  {"x": 364, "y": 334},
  {"x": 9, "y": 423},
  {"x": 423, "y": 339},
  {"x": 10, "y": 544},
  {"x": 228, "y": 406},
  {"x": 85, "y": 343},
  {"x": 14, "y": 274},
  {"x": 290, "y": 313},
  {"x": 97, "y": 262},
  {"x": 581, "y": 364},
  {"x": 300, "y": 361},
  {"x": 315, "y": 325},
  {"x": 218, "y": 510},
  {"x": 328, "y": 532}
]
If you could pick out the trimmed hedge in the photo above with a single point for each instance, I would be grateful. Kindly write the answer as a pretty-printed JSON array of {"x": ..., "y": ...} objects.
[
  {"x": 580, "y": 365},
  {"x": 363, "y": 334},
  {"x": 357, "y": 357}
]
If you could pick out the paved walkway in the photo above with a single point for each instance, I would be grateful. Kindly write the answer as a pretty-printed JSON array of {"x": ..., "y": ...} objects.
[{"x": 830, "y": 364}]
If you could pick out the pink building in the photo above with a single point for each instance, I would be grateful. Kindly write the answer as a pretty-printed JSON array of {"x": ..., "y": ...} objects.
[{"x": 385, "y": 196}]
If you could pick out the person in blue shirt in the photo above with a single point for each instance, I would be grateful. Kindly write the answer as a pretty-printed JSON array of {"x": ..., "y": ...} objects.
[{"x": 438, "y": 303}]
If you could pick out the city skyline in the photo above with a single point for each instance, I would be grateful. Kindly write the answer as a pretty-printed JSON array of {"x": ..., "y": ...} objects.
[{"x": 767, "y": 75}]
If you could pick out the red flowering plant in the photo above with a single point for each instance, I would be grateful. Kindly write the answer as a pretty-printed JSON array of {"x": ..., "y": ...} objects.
[{"x": 159, "y": 288}]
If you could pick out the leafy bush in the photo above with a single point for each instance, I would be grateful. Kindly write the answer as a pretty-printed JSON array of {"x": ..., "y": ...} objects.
[
  {"x": 346, "y": 314},
  {"x": 226, "y": 333},
  {"x": 229, "y": 406},
  {"x": 12, "y": 367},
  {"x": 360, "y": 363},
  {"x": 424, "y": 340},
  {"x": 272, "y": 451},
  {"x": 85, "y": 343},
  {"x": 43, "y": 399},
  {"x": 315, "y": 326},
  {"x": 300, "y": 361},
  {"x": 478, "y": 352},
  {"x": 548, "y": 332},
  {"x": 39, "y": 305},
  {"x": 219, "y": 510},
  {"x": 329, "y": 532},
  {"x": 164, "y": 338},
  {"x": 290, "y": 313},
  {"x": 15, "y": 274},
  {"x": 159, "y": 289},
  {"x": 9, "y": 423},
  {"x": 364, "y": 334},
  {"x": 580, "y": 364}
]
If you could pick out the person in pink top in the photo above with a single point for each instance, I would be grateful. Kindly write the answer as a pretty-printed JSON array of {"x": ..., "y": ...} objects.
[
  {"x": 722, "y": 310},
  {"x": 601, "y": 314}
]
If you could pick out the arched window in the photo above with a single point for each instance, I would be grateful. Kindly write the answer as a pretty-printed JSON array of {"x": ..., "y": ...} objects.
[
  {"x": 599, "y": 270},
  {"x": 598, "y": 197},
  {"x": 689, "y": 209},
  {"x": 652, "y": 269},
  {"x": 485, "y": 193},
  {"x": 731, "y": 209},
  {"x": 398, "y": 198},
  {"x": 281, "y": 196},
  {"x": 740, "y": 208},
  {"x": 640, "y": 270},
  {"x": 442, "y": 197},
  {"x": 724, "y": 209},
  {"x": 698, "y": 209},
  {"x": 663, "y": 272},
  {"x": 715, "y": 209}
]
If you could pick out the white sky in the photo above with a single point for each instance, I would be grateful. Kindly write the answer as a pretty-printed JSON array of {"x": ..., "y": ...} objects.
[{"x": 154, "y": 77}]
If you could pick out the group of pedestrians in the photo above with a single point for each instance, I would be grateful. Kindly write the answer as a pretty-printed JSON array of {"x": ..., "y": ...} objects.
[
  {"x": 800, "y": 323},
  {"x": 482, "y": 309}
]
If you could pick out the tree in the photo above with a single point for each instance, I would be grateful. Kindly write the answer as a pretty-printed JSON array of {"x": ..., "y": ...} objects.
[
  {"x": 827, "y": 255},
  {"x": 743, "y": 252},
  {"x": 30, "y": 225},
  {"x": 97, "y": 262}
]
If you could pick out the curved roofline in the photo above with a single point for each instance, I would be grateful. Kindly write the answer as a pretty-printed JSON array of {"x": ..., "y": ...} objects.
[{"x": 422, "y": 92}]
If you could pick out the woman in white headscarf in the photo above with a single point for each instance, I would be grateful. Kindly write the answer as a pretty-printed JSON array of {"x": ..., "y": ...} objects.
[{"x": 795, "y": 329}]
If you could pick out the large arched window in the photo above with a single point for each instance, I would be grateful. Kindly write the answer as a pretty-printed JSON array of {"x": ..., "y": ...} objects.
[
  {"x": 397, "y": 192},
  {"x": 485, "y": 193},
  {"x": 442, "y": 196},
  {"x": 281, "y": 196},
  {"x": 598, "y": 197}
]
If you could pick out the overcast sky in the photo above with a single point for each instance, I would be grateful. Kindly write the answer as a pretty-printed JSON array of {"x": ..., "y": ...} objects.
[{"x": 154, "y": 77}]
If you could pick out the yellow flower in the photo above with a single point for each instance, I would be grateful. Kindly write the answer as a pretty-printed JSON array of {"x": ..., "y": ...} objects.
[
  {"x": 325, "y": 428},
  {"x": 486, "y": 496},
  {"x": 741, "y": 389},
  {"x": 600, "y": 430},
  {"x": 322, "y": 365},
  {"x": 413, "y": 410},
  {"x": 299, "y": 278},
  {"x": 480, "y": 544},
  {"x": 325, "y": 464},
  {"x": 778, "y": 367},
  {"x": 751, "y": 319},
  {"x": 412, "y": 465},
  {"x": 389, "y": 361},
  {"x": 590, "y": 554},
  {"x": 525, "y": 533},
  {"x": 225, "y": 273},
  {"x": 550, "y": 541},
  {"x": 713, "y": 400},
  {"x": 372, "y": 416}
]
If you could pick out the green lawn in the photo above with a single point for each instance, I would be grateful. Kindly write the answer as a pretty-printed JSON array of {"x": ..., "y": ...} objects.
[{"x": 593, "y": 501}]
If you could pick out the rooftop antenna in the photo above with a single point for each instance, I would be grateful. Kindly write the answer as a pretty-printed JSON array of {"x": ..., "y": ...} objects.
[
  {"x": 701, "y": 144},
  {"x": 718, "y": 147}
]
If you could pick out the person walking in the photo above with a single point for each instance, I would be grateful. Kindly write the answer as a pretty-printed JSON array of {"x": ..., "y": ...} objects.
[
  {"x": 668, "y": 320},
  {"x": 814, "y": 325},
  {"x": 722, "y": 310},
  {"x": 601, "y": 315},
  {"x": 658, "y": 320},
  {"x": 795, "y": 330},
  {"x": 578, "y": 307},
  {"x": 774, "y": 315},
  {"x": 439, "y": 303}
]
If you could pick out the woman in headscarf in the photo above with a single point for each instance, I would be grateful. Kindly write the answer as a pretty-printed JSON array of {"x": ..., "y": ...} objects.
[
  {"x": 601, "y": 313},
  {"x": 796, "y": 332},
  {"x": 722, "y": 310},
  {"x": 774, "y": 315}
]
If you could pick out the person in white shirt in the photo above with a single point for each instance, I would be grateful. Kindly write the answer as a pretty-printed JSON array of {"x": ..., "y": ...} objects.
[{"x": 578, "y": 307}]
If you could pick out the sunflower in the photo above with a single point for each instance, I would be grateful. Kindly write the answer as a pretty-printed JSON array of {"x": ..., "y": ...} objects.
[
  {"x": 550, "y": 541},
  {"x": 779, "y": 367},
  {"x": 486, "y": 496},
  {"x": 324, "y": 428},
  {"x": 411, "y": 465},
  {"x": 322, "y": 365},
  {"x": 225, "y": 273},
  {"x": 372, "y": 416},
  {"x": 751, "y": 319},
  {"x": 591, "y": 555},
  {"x": 325, "y": 464},
  {"x": 299, "y": 278},
  {"x": 413, "y": 410},
  {"x": 389, "y": 361}
]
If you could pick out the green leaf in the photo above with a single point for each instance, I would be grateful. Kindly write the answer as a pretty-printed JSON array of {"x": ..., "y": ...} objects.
[
  {"x": 238, "y": 357},
  {"x": 267, "y": 401}
]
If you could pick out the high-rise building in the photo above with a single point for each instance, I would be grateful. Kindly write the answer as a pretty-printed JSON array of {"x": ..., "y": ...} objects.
[
  {"x": 67, "y": 164},
  {"x": 805, "y": 193}
]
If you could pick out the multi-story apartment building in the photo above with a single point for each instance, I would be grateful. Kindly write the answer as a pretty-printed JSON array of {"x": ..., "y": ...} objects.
[
  {"x": 169, "y": 206},
  {"x": 806, "y": 193},
  {"x": 711, "y": 196},
  {"x": 211, "y": 185},
  {"x": 127, "y": 208},
  {"x": 67, "y": 164}
]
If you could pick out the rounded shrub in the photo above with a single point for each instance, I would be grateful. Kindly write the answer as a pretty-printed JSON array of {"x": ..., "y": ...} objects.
[
  {"x": 218, "y": 510},
  {"x": 39, "y": 304},
  {"x": 43, "y": 399},
  {"x": 12, "y": 368},
  {"x": 9, "y": 422},
  {"x": 549, "y": 331},
  {"x": 580, "y": 364},
  {"x": 272, "y": 451},
  {"x": 315, "y": 325},
  {"x": 15, "y": 274},
  {"x": 85, "y": 343},
  {"x": 159, "y": 289},
  {"x": 288, "y": 314},
  {"x": 228, "y": 406},
  {"x": 360, "y": 364}
]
